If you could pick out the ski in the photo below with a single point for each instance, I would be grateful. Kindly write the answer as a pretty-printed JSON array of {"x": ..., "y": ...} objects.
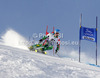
[{"x": 39, "y": 51}]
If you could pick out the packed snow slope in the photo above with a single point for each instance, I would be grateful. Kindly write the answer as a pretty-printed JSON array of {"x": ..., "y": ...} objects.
[{"x": 16, "y": 61}]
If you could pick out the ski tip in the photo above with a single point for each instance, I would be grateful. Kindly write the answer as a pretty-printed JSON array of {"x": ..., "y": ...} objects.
[
  {"x": 45, "y": 52},
  {"x": 35, "y": 50}
]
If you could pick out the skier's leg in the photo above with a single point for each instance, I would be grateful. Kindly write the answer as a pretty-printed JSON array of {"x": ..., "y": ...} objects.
[
  {"x": 33, "y": 47},
  {"x": 37, "y": 45},
  {"x": 48, "y": 48}
]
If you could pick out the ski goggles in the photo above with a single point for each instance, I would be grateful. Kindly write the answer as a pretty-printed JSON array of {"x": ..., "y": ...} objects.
[{"x": 57, "y": 33}]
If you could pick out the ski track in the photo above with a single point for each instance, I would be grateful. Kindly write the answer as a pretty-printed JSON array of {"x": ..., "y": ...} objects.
[{"x": 19, "y": 63}]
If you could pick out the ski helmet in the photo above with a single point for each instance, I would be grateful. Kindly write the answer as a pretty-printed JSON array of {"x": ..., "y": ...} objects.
[{"x": 56, "y": 31}]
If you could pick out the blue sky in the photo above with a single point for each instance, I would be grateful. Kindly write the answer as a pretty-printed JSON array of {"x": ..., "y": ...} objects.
[{"x": 32, "y": 16}]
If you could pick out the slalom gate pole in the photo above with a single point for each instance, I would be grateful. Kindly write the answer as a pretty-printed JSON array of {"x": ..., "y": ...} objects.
[
  {"x": 58, "y": 55},
  {"x": 79, "y": 37},
  {"x": 96, "y": 38},
  {"x": 53, "y": 50}
]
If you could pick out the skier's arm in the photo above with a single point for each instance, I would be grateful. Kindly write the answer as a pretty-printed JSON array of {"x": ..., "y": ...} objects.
[
  {"x": 57, "y": 49},
  {"x": 58, "y": 46}
]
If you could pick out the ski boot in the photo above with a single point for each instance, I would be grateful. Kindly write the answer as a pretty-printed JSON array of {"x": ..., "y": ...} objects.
[{"x": 40, "y": 51}]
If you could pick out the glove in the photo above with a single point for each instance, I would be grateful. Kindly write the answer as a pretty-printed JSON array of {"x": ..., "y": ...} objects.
[
  {"x": 56, "y": 51},
  {"x": 40, "y": 40}
]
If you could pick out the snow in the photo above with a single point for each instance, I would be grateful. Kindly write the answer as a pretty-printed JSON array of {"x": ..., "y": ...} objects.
[
  {"x": 14, "y": 39},
  {"x": 18, "y": 62}
]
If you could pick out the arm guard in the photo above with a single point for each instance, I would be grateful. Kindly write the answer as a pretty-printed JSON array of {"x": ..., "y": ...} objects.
[{"x": 58, "y": 46}]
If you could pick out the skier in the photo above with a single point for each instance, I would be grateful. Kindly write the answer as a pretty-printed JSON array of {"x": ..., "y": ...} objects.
[{"x": 47, "y": 42}]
